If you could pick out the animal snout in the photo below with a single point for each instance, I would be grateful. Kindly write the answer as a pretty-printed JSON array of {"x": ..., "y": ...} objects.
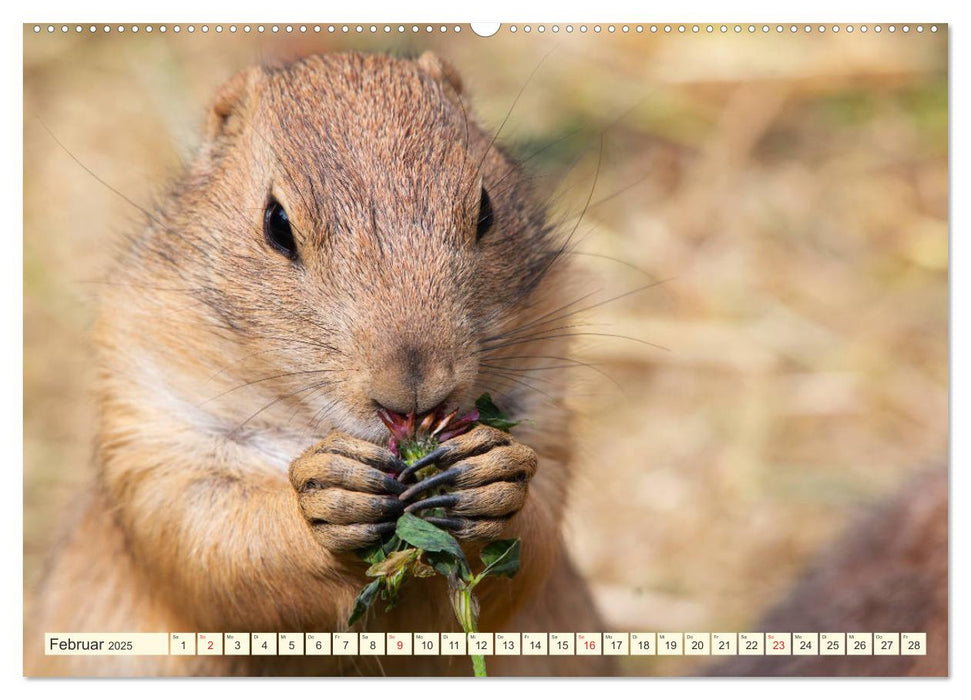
[{"x": 413, "y": 380}]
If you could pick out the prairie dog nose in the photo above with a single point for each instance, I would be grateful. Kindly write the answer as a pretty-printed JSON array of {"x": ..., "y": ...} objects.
[{"x": 412, "y": 381}]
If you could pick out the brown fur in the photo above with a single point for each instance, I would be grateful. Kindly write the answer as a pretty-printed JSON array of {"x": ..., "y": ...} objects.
[
  {"x": 889, "y": 574},
  {"x": 222, "y": 364}
]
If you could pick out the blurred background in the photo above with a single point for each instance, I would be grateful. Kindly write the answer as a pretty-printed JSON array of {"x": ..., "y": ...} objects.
[{"x": 787, "y": 192}]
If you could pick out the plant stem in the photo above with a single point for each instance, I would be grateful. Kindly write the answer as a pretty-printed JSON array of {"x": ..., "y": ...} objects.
[
  {"x": 464, "y": 606},
  {"x": 478, "y": 666}
]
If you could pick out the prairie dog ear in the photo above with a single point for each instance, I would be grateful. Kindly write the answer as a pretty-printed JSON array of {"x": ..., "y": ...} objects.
[
  {"x": 232, "y": 100},
  {"x": 441, "y": 70}
]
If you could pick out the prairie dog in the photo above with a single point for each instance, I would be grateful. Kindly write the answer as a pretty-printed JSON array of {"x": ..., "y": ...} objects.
[{"x": 346, "y": 238}]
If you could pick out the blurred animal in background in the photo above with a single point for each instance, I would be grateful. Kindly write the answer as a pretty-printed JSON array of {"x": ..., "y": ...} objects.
[{"x": 888, "y": 574}]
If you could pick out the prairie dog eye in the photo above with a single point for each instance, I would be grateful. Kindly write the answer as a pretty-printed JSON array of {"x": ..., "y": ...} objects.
[
  {"x": 277, "y": 230},
  {"x": 485, "y": 218}
]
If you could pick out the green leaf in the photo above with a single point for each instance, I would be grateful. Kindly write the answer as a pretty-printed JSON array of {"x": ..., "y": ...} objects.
[
  {"x": 392, "y": 585},
  {"x": 364, "y": 600},
  {"x": 394, "y": 561},
  {"x": 391, "y": 545},
  {"x": 444, "y": 563},
  {"x": 423, "y": 535},
  {"x": 379, "y": 552},
  {"x": 489, "y": 414},
  {"x": 501, "y": 558},
  {"x": 373, "y": 555}
]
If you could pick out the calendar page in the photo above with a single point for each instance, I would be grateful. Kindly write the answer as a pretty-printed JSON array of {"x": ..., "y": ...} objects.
[{"x": 519, "y": 349}]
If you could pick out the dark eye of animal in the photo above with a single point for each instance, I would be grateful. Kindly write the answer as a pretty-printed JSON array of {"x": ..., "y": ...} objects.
[
  {"x": 276, "y": 228},
  {"x": 486, "y": 217}
]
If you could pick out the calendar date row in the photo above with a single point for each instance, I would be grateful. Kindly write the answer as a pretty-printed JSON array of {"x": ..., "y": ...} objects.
[{"x": 489, "y": 644}]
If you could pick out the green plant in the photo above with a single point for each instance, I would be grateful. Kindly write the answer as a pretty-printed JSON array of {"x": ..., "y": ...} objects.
[{"x": 418, "y": 548}]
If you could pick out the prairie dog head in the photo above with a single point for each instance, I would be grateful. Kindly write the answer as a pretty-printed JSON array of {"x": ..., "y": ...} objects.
[{"x": 351, "y": 239}]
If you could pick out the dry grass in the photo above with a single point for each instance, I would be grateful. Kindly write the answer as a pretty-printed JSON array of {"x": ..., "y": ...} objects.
[{"x": 791, "y": 191}]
